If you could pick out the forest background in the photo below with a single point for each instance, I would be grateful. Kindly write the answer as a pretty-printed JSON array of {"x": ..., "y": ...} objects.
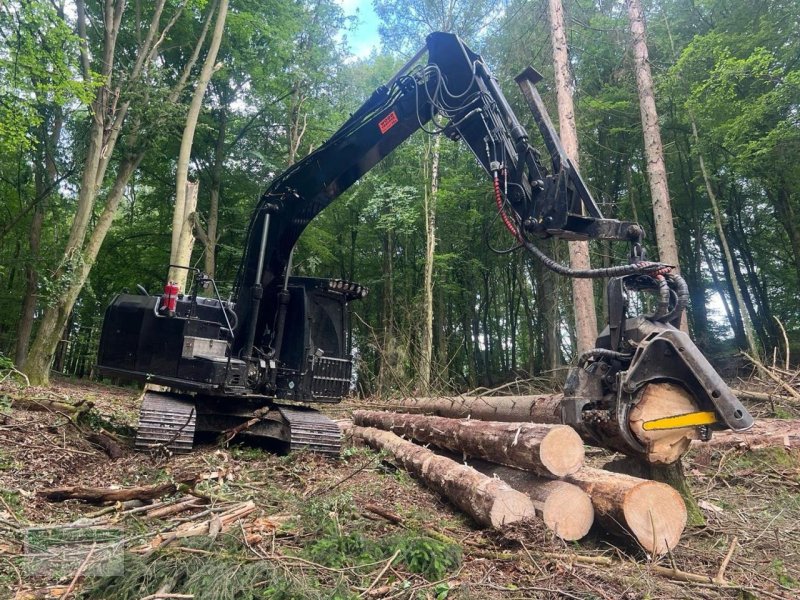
[{"x": 94, "y": 100}]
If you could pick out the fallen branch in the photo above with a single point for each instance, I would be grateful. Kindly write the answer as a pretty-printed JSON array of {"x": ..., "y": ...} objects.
[
  {"x": 103, "y": 439},
  {"x": 762, "y": 369},
  {"x": 96, "y": 495},
  {"x": 49, "y": 405},
  {"x": 217, "y": 524},
  {"x": 381, "y": 574},
  {"x": 386, "y": 514}
]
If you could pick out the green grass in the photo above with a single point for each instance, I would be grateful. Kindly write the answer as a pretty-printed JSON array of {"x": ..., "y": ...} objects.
[
  {"x": 774, "y": 458},
  {"x": 782, "y": 574},
  {"x": 7, "y": 461},
  {"x": 341, "y": 539}
]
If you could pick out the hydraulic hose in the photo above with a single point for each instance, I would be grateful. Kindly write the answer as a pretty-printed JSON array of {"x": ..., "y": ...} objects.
[{"x": 639, "y": 268}]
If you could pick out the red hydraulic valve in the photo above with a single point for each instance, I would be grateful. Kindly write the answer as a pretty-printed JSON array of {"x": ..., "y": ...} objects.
[{"x": 169, "y": 300}]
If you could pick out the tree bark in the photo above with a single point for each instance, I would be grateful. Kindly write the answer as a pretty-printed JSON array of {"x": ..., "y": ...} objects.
[
  {"x": 184, "y": 155},
  {"x": 183, "y": 251},
  {"x": 652, "y": 513},
  {"x": 429, "y": 212},
  {"x": 510, "y": 409},
  {"x": 96, "y": 495},
  {"x": 565, "y": 508},
  {"x": 765, "y": 433},
  {"x": 653, "y": 148},
  {"x": 582, "y": 289},
  {"x": 547, "y": 450},
  {"x": 491, "y": 502}
]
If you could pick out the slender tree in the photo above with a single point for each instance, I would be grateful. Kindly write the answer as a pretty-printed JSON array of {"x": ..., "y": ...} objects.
[
  {"x": 653, "y": 148},
  {"x": 185, "y": 203},
  {"x": 582, "y": 289}
]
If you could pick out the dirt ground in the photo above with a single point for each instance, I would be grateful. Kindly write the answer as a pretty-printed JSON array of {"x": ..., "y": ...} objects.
[{"x": 314, "y": 532}]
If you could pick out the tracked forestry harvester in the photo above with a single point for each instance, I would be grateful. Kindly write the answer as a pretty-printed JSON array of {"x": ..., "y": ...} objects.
[{"x": 255, "y": 363}]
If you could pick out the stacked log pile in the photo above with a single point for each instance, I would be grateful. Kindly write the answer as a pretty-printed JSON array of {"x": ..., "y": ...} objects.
[{"x": 521, "y": 469}]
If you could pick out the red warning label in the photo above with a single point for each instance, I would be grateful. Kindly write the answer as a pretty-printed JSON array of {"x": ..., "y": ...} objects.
[{"x": 388, "y": 122}]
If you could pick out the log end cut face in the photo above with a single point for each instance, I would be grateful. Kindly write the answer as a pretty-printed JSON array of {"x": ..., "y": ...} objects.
[
  {"x": 656, "y": 515},
  {"x": 507, "y": 504},
  {"x": 659, "y": 400},
  {"x": 568, "y": 511},
  {"x": 562, "y": 451}
]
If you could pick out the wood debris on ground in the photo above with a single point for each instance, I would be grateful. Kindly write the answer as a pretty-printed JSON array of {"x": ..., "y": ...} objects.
[{"x": 309, "y": 526}]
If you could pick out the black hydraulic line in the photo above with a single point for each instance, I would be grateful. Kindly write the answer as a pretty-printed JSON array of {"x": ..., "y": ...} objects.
[
  {"x": 602, "y": 353},
  {"x": 664, "y": 297},
  {"x": 681, "y": 289},
  {"x": 257, "y": 291},
  {"x": 283, "y": 305},
  {"x": 640, "y": 268}
]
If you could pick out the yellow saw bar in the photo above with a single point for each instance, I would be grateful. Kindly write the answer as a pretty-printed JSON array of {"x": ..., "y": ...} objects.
[{"x": 692, "y": 419}]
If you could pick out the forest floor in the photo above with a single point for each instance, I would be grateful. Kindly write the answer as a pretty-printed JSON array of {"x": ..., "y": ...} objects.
[{"x": 314, "y": 532}]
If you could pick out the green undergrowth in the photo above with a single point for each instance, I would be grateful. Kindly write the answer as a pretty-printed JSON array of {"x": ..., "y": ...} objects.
[
  {"x": 347, "y": 549},
  {"x": 342, "y": 539},
  {"x": 222, "y": 569},
  {"x": 767, "y": 458}
]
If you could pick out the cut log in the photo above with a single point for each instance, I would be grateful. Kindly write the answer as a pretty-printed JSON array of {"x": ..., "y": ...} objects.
[
  {"x": 50, "y": 405},
  {"x": 489, "y": 501},
  {"x": 548, "y": 450},
  {"x": 564, "y": 507},
  {"x": 544, "y": 408},
  {"x": 659, "y": 400},
  {"x": 111, "y": 446},
  {"x": 765, "y": 433},
  {"x": 97, "y": 495},
  {"x": 653, "y": 513}
]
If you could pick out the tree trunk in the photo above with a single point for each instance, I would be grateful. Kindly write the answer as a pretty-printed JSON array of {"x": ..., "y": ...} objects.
[
  {"x": 209, "y": 236},
  {"x": 183, "y": 251},
  {"x": 508, "y": 409},
  {"x": 653, "y": 513},
  {"x": 30, "y": 298},
  {"x": 730, "y": 311},
  {"x": 726, "y": 251},
  {"x": 565, "y": 508},
  {"x": 582, "y": 289},
  {"x": 765, "y": 433},
  {"x": 657, "y": 400},
  {"x": 179, "y": 216},
  {"x": 489, "y": 501},
  {"x": 653, "y": 148},
  {"x": 787, "y": 216},
  {"x": 99, "y": 495},
  {"x": 547, "y": 450},
  {"x": 429, "y": 212},
  {"x": 54, "y": 319}
]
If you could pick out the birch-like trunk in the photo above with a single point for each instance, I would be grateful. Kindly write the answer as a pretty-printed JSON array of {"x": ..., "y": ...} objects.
[
  {"x": 429, "y": 208},
  {"x": 180, "y": 217},
  {"x": 183, "y": 250},
  {"x": 582, "y": 289}
]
